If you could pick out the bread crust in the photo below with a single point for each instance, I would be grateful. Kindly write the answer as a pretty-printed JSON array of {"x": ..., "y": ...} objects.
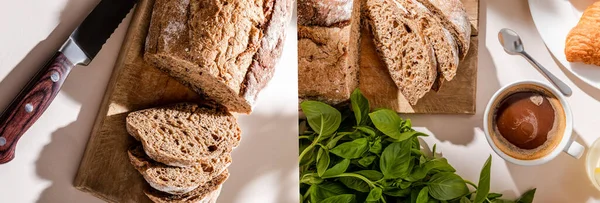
[
  {"x": 324, "y": 13},
  {"x": 224, "y": 50},
  {"x": 207, "y": 193},
  {"x": 176, "y": 180}
]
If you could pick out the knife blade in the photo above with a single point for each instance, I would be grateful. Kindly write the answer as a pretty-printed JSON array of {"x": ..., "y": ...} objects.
[{"x": 80, "y": 49}]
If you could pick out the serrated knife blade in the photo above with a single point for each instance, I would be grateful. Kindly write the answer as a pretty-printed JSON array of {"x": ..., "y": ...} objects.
[{"x": 80, "y": 49}]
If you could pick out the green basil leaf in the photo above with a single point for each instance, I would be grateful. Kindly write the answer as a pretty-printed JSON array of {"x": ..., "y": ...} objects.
[
  {"x": 360, "y": 106},
  {"x": 396, "y": 192},
  {"x": 322, "y": 161},
  {"x": 367, "y": 130},
  {"x": 405, "y": 184},
  {"x": 321, "y": 117},
  {"x": 447, "y": 186},
  {"x": 345, "y": 198},
  {"x": 438, "y": 164},
  {"x": 376, "y": 147},
  {"x": 465, "y": 200},
  {"x": 388, "y": 122},
  {"x": 311, "y": 179},
  {"x": 527, "y": 197},
  {"x": 395, "y": 160},
  {"x": 351, "y": 150},
  {"x": 372, "y": 175},
  {"x": 366, "y": 161},
  {"x": 434, "y": 150},
  {"x": 325, "y": 190},
  {"x": 356, "y": 135},
  {"x": 483, "y": 188},
  {"x": 423, "y": 196},
  {"x": 337, "y": 169},
  {"x": 333, "y": 142},
  {"x": 407, "y": 135},
  {"x": 355, "y": 184},
  {"x": 422, "y": 160},
  {"x": 375, "y": 194},
  {"x": 493, "y": 196}
]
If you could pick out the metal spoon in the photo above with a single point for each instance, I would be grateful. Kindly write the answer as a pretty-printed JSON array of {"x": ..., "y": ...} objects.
[{"x": 512, "y": 44}]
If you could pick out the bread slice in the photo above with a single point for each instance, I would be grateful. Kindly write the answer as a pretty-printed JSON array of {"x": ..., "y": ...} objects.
[
  {"x": 176, "y": 180},
  {"x": 328, "y": 40},
  {"x": 403, "y": 47},
  {"x": 226, "y": 50},
  {"x": 207, "y": 193},
  {"x": 444, "y": 45},
  {"x": 184, "y": 134},
  {"x": 452, "y": 14}
]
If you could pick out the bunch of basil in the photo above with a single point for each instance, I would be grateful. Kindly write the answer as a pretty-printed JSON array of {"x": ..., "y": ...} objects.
[{"x": 362, "y": 156}]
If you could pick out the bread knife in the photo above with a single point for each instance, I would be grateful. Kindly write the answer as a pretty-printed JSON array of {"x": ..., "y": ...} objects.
[{"x": 80, "y": 49}]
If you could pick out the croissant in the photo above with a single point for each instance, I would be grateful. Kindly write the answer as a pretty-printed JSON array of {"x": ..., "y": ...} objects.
[{"x": 583, "y": 42}]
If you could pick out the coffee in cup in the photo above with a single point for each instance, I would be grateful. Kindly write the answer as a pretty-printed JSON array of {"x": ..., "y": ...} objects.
[{"x": 530, "y": 123}]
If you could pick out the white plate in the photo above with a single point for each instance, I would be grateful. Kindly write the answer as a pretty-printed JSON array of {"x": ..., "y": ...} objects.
[{"x": 554, "y": 19}]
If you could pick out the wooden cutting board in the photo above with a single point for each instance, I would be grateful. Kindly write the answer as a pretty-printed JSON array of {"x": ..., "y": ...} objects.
[
  {"x": 105, "y": 171},
  {"x": 455, "y": 97}
]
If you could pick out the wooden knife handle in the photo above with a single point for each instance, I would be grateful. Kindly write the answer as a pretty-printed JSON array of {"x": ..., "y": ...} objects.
[{"x": 30, "y": 103}]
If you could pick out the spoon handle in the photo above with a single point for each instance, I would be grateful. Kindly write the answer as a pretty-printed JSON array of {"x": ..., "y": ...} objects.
[{"x": 564, "y": 88}]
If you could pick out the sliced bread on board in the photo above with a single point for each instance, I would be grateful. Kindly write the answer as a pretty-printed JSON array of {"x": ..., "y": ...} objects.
[
  {"x": 226, "y": 50},
  {"x": 452, "y": 14},
  {"x": 207, "y": 193},
  {"x": 444, "y": 45},
  {"x": 176, "y": 180},
  {"x": 328, "y": 34},
  {"x": 184, "y": 134},
  {"x": 403, "y": 47}
]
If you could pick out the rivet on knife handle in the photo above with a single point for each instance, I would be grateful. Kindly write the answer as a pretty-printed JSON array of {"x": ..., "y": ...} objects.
[{"x": 30, "y": 103}]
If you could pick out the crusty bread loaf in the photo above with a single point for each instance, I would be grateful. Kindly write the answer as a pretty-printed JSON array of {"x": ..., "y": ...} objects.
[
  {"x": 403, "y": 47},
  {"x": 207, "y": 193},
  {"x": 452, "y": 14},
  {"x": 184, "y": 134},
  {"x": 328, "y": 34},
  {"x": 224, "y": 49},
  {"x": 176, "y": 180}
]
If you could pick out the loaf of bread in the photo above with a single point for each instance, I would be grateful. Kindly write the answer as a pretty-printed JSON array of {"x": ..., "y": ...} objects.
[
  {"x": 176, "y": 180},
  {"x": 207, "y": 193},
  {"x": 328, "y": 49},
  {"x": 224, "y": 49},
  {"x": 184, "y": 134},
  {"x": 583, "y": 42}
]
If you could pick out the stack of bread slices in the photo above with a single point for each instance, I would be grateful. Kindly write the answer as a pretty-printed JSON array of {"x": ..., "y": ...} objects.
[
  {"x": 419, "y": 41},
  {"x": 184, "y": 150}
]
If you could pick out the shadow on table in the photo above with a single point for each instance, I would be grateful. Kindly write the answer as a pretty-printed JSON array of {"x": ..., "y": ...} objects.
[
  {"x": 460, "y": 129},
  {"x": 563, "y": 179},
  {"x": 262, "y": 156}
]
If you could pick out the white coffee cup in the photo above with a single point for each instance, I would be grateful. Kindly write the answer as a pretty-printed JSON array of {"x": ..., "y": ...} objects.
[{"x": 566, "y": 144}]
